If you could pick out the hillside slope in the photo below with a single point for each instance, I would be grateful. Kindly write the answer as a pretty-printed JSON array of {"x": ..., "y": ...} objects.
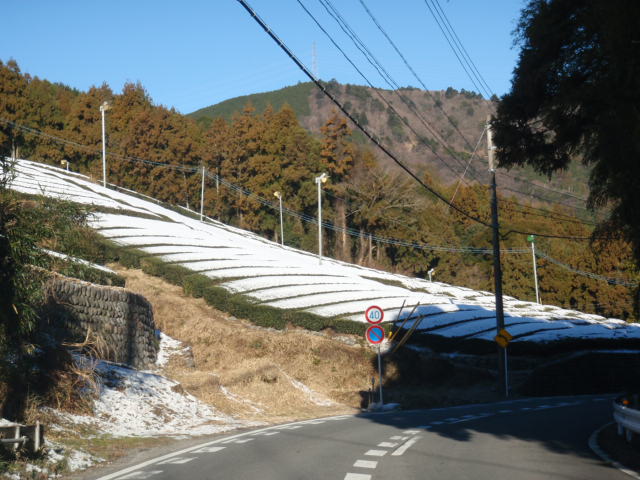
[
  {"x": 434, "y": 130},
  {"x": 273, "y": 278}
]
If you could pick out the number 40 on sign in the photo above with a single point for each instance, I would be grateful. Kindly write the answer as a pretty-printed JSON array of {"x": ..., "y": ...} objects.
[{"x": 374, "y": 314}]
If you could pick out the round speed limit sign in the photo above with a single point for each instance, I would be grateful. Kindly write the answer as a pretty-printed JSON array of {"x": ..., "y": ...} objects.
[{"x": 374, "y": 314}]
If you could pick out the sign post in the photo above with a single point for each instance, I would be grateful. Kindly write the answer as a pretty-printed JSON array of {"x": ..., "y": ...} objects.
[
  {"x": 503, "y": 338},
  {"x": 375, "y": 335}
]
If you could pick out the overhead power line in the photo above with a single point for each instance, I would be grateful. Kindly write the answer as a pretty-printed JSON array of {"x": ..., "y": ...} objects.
[
  {"x": 249, "y": 193},
  {"x": 385, "y": 76},
  {"x": 463, "y": 51},
  {"x": 350, "y": 231},
  {"x": 609, "y": 280},
  {"x": 370, "y": 136},
  {"x": 89, "y": 148},
  {"x": 394, "y": 85},
  {"x": 375, "y": 141},
  {"x": 464, "y": 63},
  {"x": 443, "y": 111}
]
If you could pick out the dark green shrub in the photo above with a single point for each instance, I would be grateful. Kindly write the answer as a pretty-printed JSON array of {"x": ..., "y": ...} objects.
[
  {"x": 130, "y": 257},
  {"x": 172, "y": 273},
  {"x": 89, "y": 274},
  {"x": 195, "y": 284}
]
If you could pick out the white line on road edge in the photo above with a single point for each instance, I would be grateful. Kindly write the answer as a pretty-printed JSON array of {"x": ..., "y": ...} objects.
[
  {"x": 142, "y": 475},
  {"x": 406, "y": 446},
  {"x": 124, "y": 471},
  {"x": 176, "y": 461},
  {"x": 593, "y": 444}
]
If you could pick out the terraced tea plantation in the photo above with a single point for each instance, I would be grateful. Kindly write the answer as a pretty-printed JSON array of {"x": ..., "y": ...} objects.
[{"x": 271, "y": 275}]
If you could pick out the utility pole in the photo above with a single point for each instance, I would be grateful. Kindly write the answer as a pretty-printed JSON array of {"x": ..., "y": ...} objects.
[
  {"x": 202, "y": 195},
  {"x": 532, "y": 239},
  {"x": 103, "y": 108},
  {"x": 497, "y": 267},
  {"x": 278, "y": 195},
  {"x": 319, "y": 181}
]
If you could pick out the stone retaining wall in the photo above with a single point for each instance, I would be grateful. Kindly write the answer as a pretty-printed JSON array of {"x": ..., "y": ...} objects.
[{"x": 121, "y": 322}]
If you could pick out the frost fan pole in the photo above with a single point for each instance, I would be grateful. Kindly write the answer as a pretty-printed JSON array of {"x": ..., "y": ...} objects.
[
  {"x": 503, "y": 382},
  {"x": 103, "y": 108},
  {"x": 202, "y": 195}
]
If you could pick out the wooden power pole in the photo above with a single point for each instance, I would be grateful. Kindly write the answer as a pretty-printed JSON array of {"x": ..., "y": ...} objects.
[{"x": 497, "y": 267}]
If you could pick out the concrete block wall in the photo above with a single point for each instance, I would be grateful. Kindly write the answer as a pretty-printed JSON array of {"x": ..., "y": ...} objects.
[{"x": 120, "y": 321}]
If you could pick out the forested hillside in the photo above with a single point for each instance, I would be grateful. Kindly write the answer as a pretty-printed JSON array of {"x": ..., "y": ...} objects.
[
  {"x": 429, "y": 130},
  {"x": 375, "y": 215}
]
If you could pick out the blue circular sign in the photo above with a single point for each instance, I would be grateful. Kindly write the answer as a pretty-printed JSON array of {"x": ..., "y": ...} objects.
[{"x": 375, "y": 334}]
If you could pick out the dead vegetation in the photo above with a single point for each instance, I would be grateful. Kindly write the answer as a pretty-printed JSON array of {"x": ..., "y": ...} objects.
[{"x": 252, "y": 372}]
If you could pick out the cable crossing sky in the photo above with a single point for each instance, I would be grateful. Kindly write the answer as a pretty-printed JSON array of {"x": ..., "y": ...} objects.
[{"x": 326, "y": 224}]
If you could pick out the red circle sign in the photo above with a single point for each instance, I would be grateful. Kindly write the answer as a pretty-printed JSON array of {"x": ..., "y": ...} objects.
[
  {"x": 375, "y": 334},
  {"x": 374, "y": 314}
]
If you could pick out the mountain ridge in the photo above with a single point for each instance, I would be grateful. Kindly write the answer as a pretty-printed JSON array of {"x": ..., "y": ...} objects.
[{"x": 432, "y": 132}]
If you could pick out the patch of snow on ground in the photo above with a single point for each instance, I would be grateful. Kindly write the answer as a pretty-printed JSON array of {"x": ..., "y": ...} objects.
[
  {"x": 168, "y": 348},
  {"x": 75, "y": 459},
  {"x": 134, "y": 403},
  {"x": 313, "y": 396},
  {"x": 238, "y": 399}
]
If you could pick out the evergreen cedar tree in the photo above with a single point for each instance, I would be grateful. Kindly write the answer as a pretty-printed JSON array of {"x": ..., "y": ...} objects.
[
  {"x": 270, "y": 151},
  {"x": 576, "y": 95}
]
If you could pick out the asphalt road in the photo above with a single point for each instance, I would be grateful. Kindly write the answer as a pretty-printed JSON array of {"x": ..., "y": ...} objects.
[{"x": 519, "y": 440}]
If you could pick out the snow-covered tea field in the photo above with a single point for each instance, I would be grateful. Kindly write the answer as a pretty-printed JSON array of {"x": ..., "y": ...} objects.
[{"x": 287, "y": 278}]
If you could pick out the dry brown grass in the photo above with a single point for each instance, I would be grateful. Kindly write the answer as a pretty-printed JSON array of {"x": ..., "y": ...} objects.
[{"x": 255, "y": 365}]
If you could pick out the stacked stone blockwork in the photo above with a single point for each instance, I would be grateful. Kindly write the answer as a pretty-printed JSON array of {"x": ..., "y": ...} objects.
[{"x": 118, "y": 323}]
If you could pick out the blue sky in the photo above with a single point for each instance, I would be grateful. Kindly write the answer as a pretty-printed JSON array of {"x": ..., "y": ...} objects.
[{"x": 192, "y": 54}]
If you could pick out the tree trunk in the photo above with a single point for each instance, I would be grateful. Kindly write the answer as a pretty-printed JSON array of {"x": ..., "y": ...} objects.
[
  {"x": 345, "y": 247},
  {"x": 362, "y": 248}
]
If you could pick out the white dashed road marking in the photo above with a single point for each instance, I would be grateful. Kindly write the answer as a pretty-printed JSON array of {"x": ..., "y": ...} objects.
[
  {"x": 356, "y": 476},
  {"x": 208, "y": 449},
  {"x": 243, "y": 440},
  {"x": 366, "y": 464},
  {"x": 387, "y": 445},
  {"x": 376, "y": 453}
]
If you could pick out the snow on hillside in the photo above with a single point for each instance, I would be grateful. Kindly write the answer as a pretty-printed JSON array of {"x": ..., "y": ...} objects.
[
  {"x": 130, "y": 403},
  {"x": 287, "y": 278},
  {"x": 143, "y": 403}
]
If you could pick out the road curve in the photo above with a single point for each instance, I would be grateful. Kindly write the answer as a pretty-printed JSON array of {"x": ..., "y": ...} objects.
[{"x": 544, "y": 438}]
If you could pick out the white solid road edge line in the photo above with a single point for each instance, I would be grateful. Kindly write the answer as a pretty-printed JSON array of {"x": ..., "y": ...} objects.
[
  {"x": 406, "y": 446},
  {"x": 124, "y": 471},
  {"x": 593, "y": 445}
]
